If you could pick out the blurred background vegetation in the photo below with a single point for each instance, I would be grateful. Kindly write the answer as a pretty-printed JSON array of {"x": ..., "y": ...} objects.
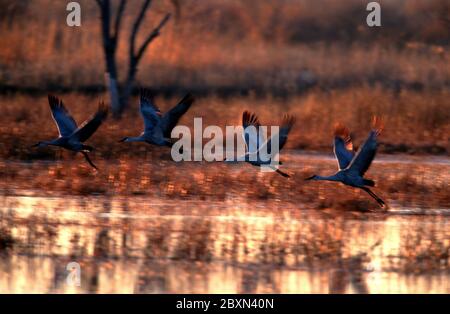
[{"x": 233, "y": 45}]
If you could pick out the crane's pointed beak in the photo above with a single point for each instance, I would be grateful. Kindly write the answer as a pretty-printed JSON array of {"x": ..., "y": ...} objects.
[
  {"x": 310, "y": 178},
  {"x": 122, "y": 140},
  {"x": 34, "y": 145}
]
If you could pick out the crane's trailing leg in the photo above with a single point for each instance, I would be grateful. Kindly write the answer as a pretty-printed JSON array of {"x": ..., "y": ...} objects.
[
  {"x": 379, "y": 200},
  {"x": 89, "y": 160},
  {"x": 284, "y": 174}
]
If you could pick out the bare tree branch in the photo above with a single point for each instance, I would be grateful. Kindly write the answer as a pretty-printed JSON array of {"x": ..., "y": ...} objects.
[
  {"x": 155, "y": 33},
  {"x": 118, "y": 21},
  {"x": 105, "y": 16},
  {"x": 136, "y": 26}
]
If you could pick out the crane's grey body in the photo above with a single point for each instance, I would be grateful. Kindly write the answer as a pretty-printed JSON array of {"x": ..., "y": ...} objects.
[
  {"x": 71, "y": 137},
  {"x": 256, "y": 142},
  {"x": 352, "y": 167},
  {"x": 158, "y": 127},
  {"x": 345, "y": 176},
  {"x": 67, "y": 143},
  {"x": 149, "y": 139}
]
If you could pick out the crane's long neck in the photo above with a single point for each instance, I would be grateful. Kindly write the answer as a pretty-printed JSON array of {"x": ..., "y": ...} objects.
[
  {"x": 326, "y": 178},
  {"x": 134, "y": 139},
  {"x": 47, "y": 143}
]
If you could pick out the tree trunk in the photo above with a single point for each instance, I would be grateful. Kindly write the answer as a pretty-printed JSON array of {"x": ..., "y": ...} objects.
[
  {"x": 113, "y": 88},
  {"x": 112, "y": 80},
  {"x": 129, "y": 84}
]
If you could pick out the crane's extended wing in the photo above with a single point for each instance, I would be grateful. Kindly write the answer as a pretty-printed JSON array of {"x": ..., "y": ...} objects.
[
  {"x": 343, "y": 146},
  {"x": 366, "y": 153},
  {"x": 150, "y": 112},
  {"x": 286, "y": 126},
  {"x": 253, "y": 136},
  {"x": 171, "y": 118},
  {"x": 89, "y": 127},
  {"x": 64, "y": 121}
]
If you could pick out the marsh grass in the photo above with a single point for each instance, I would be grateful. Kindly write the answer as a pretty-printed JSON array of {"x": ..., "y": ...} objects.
[
  {"x": 140, "y": 169},
  {"x": 401, "y": 185},
  {"x": 415, "y": 122}
]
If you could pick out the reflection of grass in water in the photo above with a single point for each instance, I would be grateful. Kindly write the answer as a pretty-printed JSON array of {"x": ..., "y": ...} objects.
[
  {"x": 318, "y": 244},
  {"x": 7, "y": 242},
  {"x": 423, "y": 251},
  {"x": 322, "y": 242},
  {"x": 194, "y": 241},
  {"x": 158, "y": 241}
]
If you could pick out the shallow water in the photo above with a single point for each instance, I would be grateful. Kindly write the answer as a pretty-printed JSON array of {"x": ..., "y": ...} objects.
[{"x": 142, "y": 245}]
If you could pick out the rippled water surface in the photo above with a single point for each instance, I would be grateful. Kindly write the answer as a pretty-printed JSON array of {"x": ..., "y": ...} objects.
[{"x": 144, "y": 245}]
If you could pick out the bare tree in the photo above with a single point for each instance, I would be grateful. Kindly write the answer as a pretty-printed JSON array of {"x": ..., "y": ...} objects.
[
  {"x": 120, "y": 93},
  {"x": 13, "y": 10}
]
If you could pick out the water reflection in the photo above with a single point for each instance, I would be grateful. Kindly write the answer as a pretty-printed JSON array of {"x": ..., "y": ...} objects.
[{"x": 139, "y": 246}]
